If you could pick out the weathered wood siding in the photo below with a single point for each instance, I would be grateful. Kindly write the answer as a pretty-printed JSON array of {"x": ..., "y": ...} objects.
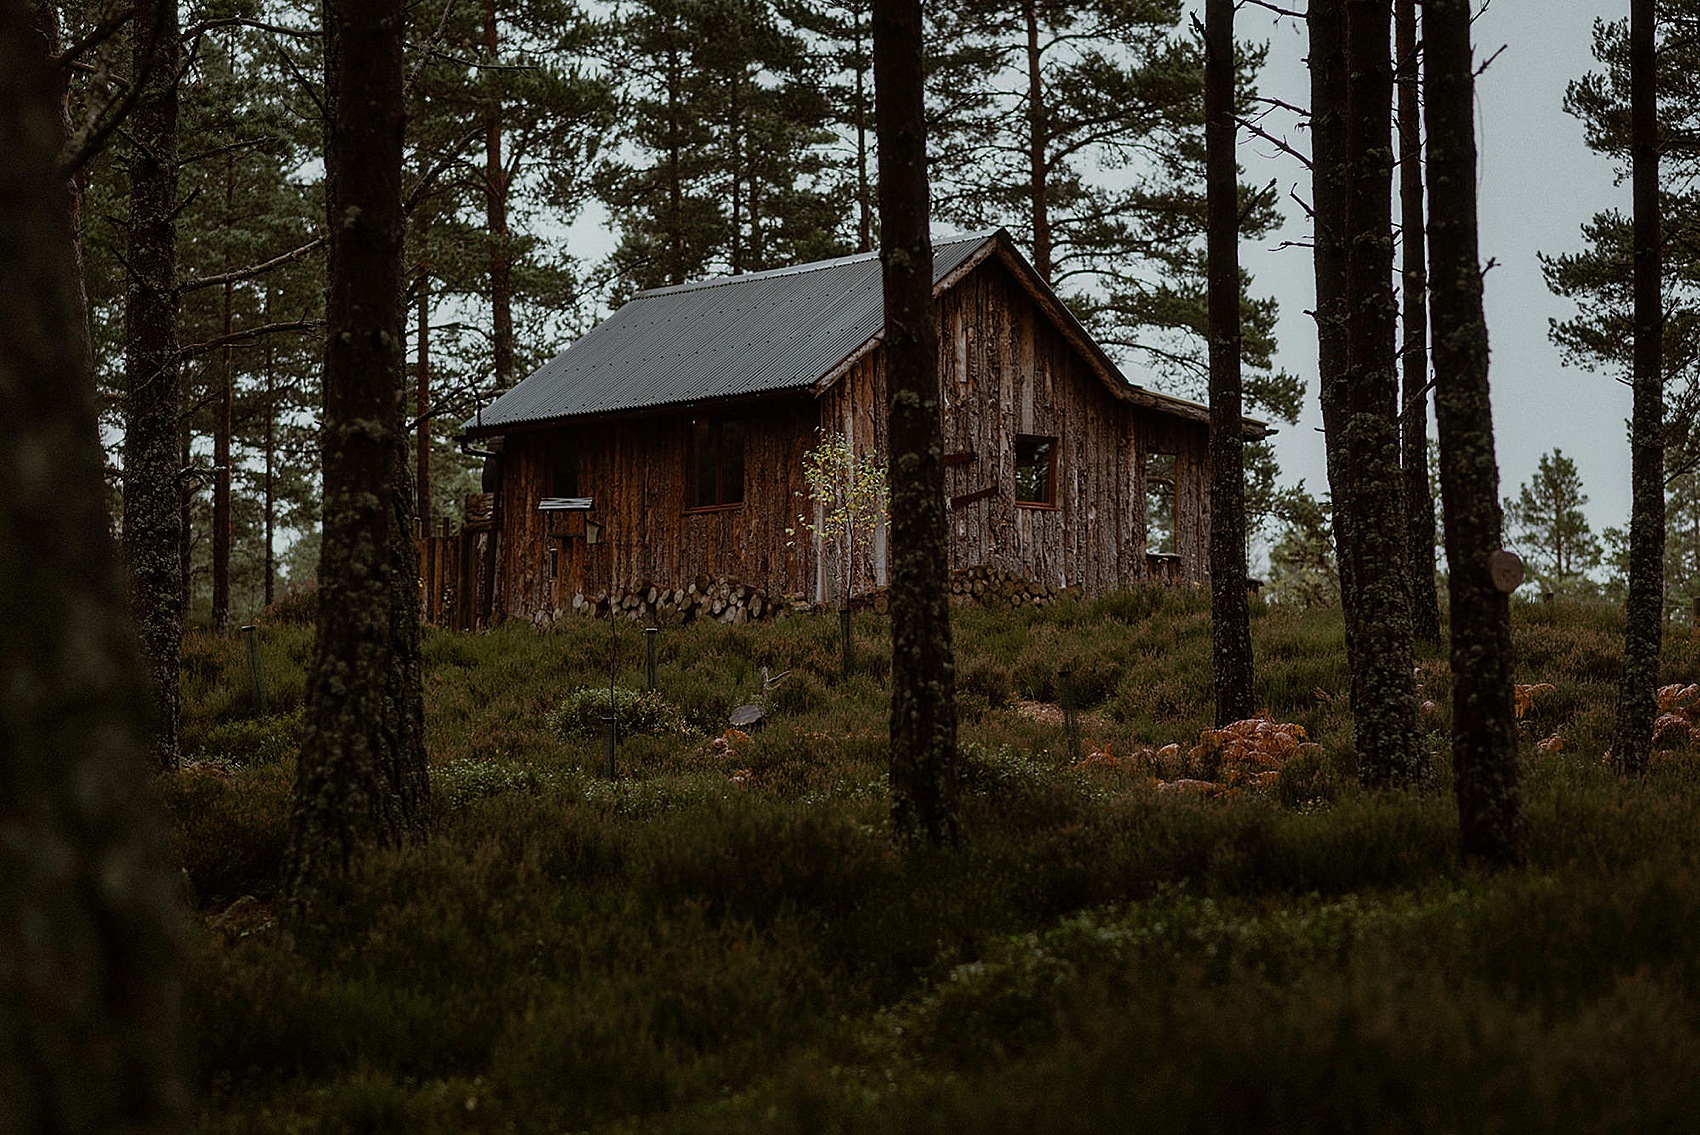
[
  {"x": 1005, "y": 371},
  {"x": 634, "y": 469}
]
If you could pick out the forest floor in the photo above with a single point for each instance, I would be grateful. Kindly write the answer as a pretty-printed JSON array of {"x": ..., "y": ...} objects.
[{"x": 723, "y": 938}]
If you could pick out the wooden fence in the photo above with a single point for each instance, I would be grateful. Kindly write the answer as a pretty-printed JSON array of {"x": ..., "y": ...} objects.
[{"x": 457, "y": 569}]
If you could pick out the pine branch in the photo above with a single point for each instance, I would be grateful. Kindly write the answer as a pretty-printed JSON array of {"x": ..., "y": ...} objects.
[
  {"x": 205, "y": 26},
  {"x": 252, "y": 270},
  {"x": 96, "y": 36},
  {"x": 249, "y": 335}
]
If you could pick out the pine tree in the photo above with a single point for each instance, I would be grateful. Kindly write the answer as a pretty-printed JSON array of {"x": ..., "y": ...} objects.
[
  {"x": 1484, "y": 729},
  {"x": 1549, "y": 525},
  {"x": 361, "y": 775},
  {"x": 1352, "y": 159},
  {"x": 733, "y": 170},
  {"x": 1413, "y": 403},
  {"x": 91, "y": 937},
  {"x": 1637, "y": 704},
  {"x": 153, "y": 439},
  {"x": 1077, "y": 125},
  {"x": 923, "y": 672},
  {"x": 1230, "y": 616}
]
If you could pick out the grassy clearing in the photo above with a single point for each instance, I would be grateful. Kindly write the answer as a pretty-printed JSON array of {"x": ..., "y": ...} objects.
[{"x": 724, "y": 940}]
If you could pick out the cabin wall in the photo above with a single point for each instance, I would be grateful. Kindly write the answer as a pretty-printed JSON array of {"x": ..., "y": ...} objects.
[
  {"x": 634, "y": 470},
  {"x": 1004, "y": 370}
]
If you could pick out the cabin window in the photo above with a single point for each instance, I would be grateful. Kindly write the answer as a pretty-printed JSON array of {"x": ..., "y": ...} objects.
[
  {"x": 1160, "y": 504},
  {"x": 561, "y": 469},
  {"x": 715, "y": 463},
  {"x": 1035, "y": 470}
]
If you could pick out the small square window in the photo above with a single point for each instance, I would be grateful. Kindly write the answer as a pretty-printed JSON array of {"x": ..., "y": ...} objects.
[{"x": 1035, "y": 470}]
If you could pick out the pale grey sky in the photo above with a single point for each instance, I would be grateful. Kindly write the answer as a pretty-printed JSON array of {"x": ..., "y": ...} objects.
[{"x": 1537, "y": 184}]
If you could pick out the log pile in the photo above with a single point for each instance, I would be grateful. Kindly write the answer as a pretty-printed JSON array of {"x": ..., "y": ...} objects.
[
  {"x": 723, "y": 600},
  {"x": 728, "y": 601},
  {"x": 994, "y": 587}
]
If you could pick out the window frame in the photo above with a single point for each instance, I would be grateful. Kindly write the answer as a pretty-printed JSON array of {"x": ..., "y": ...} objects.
[
  {"x": 1051, "y": 446},
  {"x": 714, "y": 427},
  {"x": 1172, "y": 484}
]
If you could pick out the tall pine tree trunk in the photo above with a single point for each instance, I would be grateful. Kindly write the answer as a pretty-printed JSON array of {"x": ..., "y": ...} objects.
[
  {"x": 422, "y": 407},
  {"x": 1037, "y": 189},
  {"x": 153, "y": 525},
  {"x": 223, "y": 526},
  {"x": 1413, "y": 417},
  {"x": 361, "y": 777},
  {"x": 923, "y": 672},
  {"x": 90, "y": 932},
  {"x": 1384, "y": 707},
  {"x": 1632, "y": 739},
  {"x": 1230, "y": 616},
  {"x": 864, "y": 193},
  {"x": 496, "y": 188},
  {"x": 1484, "y": 729},
  {"x": 1326, "y": 25}
]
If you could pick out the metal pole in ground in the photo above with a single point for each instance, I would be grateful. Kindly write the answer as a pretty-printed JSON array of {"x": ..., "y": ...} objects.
[
  {"x": 844, "y": 625},
  {"x": 256, "y": 675},
  {"x": 1071, "y": 714}
]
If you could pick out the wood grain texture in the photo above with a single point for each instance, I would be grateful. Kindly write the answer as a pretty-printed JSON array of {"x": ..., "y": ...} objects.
[{"x": 1004, "y": 370}]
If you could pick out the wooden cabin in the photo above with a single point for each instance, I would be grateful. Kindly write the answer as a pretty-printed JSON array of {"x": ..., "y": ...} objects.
[{"x": 668, "y": 443}]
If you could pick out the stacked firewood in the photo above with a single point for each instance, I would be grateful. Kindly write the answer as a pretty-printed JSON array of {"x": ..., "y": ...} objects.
[
  {"x": 723, "y": 600},
  {"x": 995, "y": 587}
]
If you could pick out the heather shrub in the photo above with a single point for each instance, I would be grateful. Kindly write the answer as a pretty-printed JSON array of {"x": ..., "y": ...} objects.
[{"x": 583, "y": 711}]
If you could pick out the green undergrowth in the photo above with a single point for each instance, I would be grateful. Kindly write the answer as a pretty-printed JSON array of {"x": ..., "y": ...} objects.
[{"x": 724, "y": 939}]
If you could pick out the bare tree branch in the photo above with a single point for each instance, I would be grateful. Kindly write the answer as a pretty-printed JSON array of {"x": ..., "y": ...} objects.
[
  {"x": 252, "y": 270},
  {"x": 249, "y": 335},
  {"x": 1279, "y": 143},
  {"x": 205, "y": 26}
]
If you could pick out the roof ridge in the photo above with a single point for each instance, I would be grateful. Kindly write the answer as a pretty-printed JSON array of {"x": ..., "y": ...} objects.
[{"x": 799, "y": 269}]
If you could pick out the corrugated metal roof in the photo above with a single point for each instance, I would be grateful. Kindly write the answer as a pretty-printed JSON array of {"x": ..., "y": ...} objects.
[
  {"x": 762, "y": 332},
  {"x": 738, "y": 335}
]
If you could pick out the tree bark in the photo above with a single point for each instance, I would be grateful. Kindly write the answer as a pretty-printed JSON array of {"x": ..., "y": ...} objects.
[
  {"x": 1484, "y": 728},
  {"x": 1384, "y": 707},
  {"x": 91, "y": 936},
  {"x": 361, "y": 777},
  {"x": 1413, "y": 417},
  {"x": 1230, "y": 615},
  {"x": 1036, "y": 144},
  {"x": 923, "y": 678},
  {"x": 153, "y": 526},
  {"x": 496, "y": 187},
  {"x": 1637, "y": 706},
  {"x": 422, "y": 404},
  {"x": 223, "y": 527},
  {"x": 1325, "y": 24}
]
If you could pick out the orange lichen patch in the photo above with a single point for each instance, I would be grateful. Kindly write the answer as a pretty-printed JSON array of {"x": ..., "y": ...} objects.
[
  {"x": 1678, "y": 723},
  {"x": 1100, "y": 756},
  {"x": 1523, "y": 697},
  {"x": 1252, "y": 751},
  {"x": 1679, "y": 697},
  {"x": 728, "y": 743}
]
